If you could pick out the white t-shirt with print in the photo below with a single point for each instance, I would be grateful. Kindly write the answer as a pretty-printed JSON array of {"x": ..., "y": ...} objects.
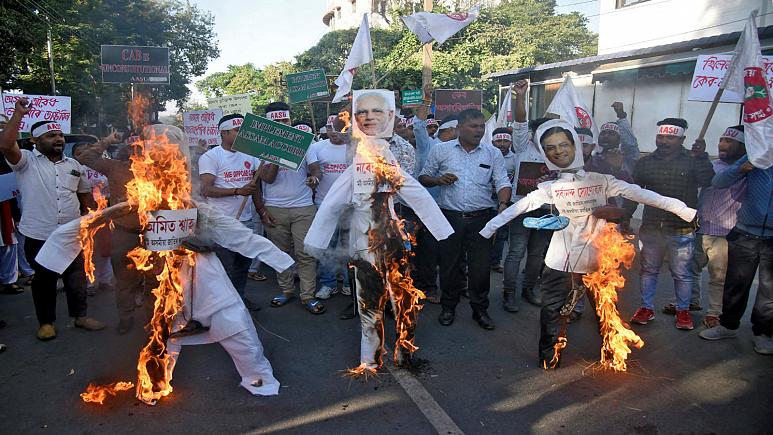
[
  {"x": 289, "y": 189},
  {"x": 232, "y": 169},
  {"x": 332, "y": 161}
]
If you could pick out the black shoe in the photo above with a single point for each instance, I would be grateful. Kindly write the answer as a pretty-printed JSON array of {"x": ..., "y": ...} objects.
[
  {"x": 484, "y": 321},
  {"x": 348, "y": 313},
  {"x": 252, "y": 306},
  {"x": 125, "y": 324},
  {"x": 509, "y": 303},
  {"x": 446, "y": 316},
  {"x": 531, "y": 297}
]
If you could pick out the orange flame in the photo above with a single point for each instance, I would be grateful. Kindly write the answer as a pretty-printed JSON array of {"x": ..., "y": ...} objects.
[
  {"x": 98, "y": 393},
  {"x": 160, "y": 182},
  {"x": 137, "y": 109},
  {"x": 87, "y": 233},
  {"x": 614, "y": 250}
]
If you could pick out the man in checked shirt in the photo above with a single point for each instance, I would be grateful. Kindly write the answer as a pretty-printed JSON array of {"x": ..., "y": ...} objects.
[{"x": 677, "y": 173}]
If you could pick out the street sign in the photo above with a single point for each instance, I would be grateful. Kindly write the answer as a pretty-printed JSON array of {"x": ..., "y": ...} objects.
[
  {"x": 135, "y": 64},
  {"x": 412, "y": 97},
  {"x": 273, "y": 142},
  {"x": 307, "y": 85}
]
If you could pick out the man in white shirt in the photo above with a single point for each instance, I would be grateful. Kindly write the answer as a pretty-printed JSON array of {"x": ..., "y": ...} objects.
[
  {"x": 329, "y": 157},
  {"x": 54, "y": 191},
  {"x": 226, "y": 178},
  {"x": 289, "y": 213}
]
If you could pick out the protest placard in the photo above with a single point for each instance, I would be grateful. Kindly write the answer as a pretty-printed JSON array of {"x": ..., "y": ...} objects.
[
  {"x": 239, "y": 103},
  {"x": 202, "y": 125},
  {"x": 8, "y": 187},
  {"x": 708, "y": 74},
  {"x": 307, "y": 85},
  {"x": 412, "y": 97},
  {"x": 43, "y": 108},
  {"x": 135, "y": 64},
  {"x": 273, "y": 142},
  {"x": 452, "y": 101},
  {"x": 166, "y": 229}
]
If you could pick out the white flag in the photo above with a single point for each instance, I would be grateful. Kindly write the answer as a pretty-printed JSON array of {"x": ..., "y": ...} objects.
[
  {"x": 488, "y": 134},
  {"x": 566, "y": 105},
  {"x": 362, "y": 53},
  {"x": 428, "y": 26},
  {"x": 746, "y": 76},
  {"x": 505, "y": 109}
]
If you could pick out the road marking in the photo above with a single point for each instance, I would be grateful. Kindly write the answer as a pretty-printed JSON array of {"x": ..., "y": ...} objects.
[{"x": 425, "y": 402}]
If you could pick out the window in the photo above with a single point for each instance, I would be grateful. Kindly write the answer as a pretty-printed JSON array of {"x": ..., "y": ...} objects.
[{"x": 624, "y": 3}]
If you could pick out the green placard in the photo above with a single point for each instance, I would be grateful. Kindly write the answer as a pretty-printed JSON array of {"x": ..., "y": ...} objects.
[
  {"x": 412, "y": 97},
  {"x": 272, "y": 142},
  {"x": 307, "y": 85}
]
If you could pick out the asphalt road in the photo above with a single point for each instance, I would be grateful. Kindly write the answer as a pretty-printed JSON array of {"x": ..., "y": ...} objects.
[{"x": 469, "y": 379}]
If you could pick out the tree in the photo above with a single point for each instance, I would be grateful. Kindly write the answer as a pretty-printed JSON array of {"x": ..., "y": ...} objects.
[{"x": 79, "y": 27}]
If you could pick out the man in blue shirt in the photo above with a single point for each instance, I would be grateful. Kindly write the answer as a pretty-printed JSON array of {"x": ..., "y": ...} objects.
[
  {"x": 465, "y": 170},
  {"x": 749, "y": 247}
]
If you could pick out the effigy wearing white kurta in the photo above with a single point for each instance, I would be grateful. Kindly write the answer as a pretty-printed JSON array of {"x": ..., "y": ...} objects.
[{"x": 208, "y": 295}]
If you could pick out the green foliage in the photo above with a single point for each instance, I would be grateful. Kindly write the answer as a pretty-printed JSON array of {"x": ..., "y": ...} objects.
[{"x": 79, "y": 27}]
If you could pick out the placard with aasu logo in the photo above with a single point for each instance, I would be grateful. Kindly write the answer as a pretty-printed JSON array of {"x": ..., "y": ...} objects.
[{"x": 273, "y": 142}]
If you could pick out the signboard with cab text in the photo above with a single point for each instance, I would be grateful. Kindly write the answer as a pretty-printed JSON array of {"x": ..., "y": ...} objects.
[
  {"x": 307, "y": 85},
  {"x": 273, "y": 142},
  {"x": 135, "y": 64}
]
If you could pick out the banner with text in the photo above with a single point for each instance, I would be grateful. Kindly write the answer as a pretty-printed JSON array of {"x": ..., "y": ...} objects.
[
  {"x": 452, "y": 101},
  {"x": 273, "y": 142},
  {"x": 412, "y": 98},
  {"x": 166, "y": 229},
  {"x": 202, "y": 125},
  {"x": 307, "y": 85},
  {"x": 135, "y": 64},
  {"x": 239, "y": 103},
  {"x": 710, "y": 70},
  {"x": 43, "y": 108}
]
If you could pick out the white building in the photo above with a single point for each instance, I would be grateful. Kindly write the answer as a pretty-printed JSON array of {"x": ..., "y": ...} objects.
[
  {"x": 347, "y": 14},
  {"x": 647, "y": 54}
]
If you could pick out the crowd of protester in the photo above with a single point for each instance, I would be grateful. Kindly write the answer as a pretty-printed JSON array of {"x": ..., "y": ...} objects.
[{"x": 471, "y": 181}]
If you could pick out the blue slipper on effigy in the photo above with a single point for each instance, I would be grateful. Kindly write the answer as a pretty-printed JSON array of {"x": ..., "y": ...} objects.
[{"x": 547, "y": 222}]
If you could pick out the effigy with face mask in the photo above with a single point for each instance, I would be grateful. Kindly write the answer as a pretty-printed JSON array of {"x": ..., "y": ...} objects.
[
  {"x": 362, "y": 199},
  {"x": 585, "y": 251},
  {"x": 195, "y": 302}
]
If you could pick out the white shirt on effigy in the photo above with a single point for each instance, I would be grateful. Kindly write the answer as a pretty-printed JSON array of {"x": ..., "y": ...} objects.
[
  {"x": 231, "y": 169},
  {"x": 49, "y": 192},
  {"x": 576, "y": 195},
  {"x": 289, "y": 189},
  {"x": 332, "y": 161}
]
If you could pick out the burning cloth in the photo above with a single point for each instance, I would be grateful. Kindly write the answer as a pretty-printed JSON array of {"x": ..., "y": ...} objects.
[
  {"x": 364, "y": 195},
  {"x": 209, "y": 297},
  {"x": 578, "y": 195}
]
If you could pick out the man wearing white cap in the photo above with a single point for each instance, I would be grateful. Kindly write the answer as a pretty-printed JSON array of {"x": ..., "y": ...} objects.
[
  {"x": 677, "y": 173},
  {"x": 619, "y": 146},
  {"x": 226, "y": 178},
  {"x": 54, "y": 191}
]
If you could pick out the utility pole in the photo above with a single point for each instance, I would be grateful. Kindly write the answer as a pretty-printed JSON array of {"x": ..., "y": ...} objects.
[
  {"x": 51, "y": 58},
  {"x": 426, "y": 66}
]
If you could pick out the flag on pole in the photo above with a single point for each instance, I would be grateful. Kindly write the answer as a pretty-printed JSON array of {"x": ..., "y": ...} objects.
[
  {"x": 746, "y": 76},
  {"x": 362, "y": 53},
  {"x": 428, "y": 26},
  {"x": 568, "y": 106},
  {"x": 488, "y": 134},
  {"x": 505, "y": 109}
]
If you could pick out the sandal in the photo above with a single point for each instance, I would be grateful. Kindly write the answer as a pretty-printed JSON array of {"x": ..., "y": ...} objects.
[
  {"x": 547, "y": 222},
  {"x": 314, "y": 306},
  {"x": 281, "y": 300},
  {"x": 257, "y": 276}
]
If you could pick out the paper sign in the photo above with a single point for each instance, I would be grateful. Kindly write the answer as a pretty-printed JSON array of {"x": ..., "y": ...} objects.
[
  {"x": 202, "y": 125},
  {"x": 578, "y": 198},
  {"x": 166, "y": 229},
  {"x": 239, "y": 103},
  {"x": 8, "y": 187},
  {"x": 273, "y": 142},
  {"x": 709, "y": 72},
  {"x": 135, "y": 64},
  {"x": 364, "y": 179},
  {"x": 306, "y": 85},
  {"x": 43, "y": 108},
  {"x": 412, "y": 97},
  {"x": 529, "y": 174},
  {"x": 452, "y": 101}
]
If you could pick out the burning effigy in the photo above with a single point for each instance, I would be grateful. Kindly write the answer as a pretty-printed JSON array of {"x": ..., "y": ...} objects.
[
  {"x": 378, "y": 244},
  {"x": 585, "y": 252},
  {"x": 187, "y": 275}
]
